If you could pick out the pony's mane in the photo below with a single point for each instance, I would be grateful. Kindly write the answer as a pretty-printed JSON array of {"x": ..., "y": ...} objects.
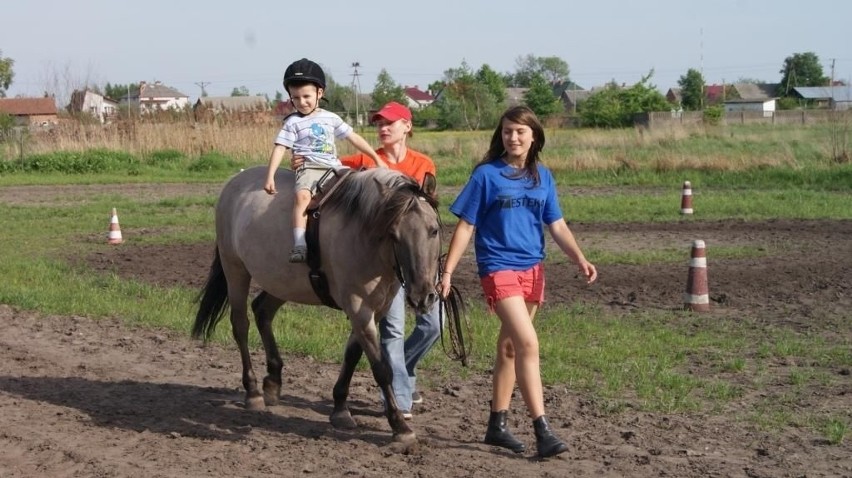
[{"x": 377, "y": 198}]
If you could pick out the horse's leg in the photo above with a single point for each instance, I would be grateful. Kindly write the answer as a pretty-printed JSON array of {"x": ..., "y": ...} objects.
[
  {"x": 341, "y": 417},
  {"x": 238, "y": 298},
  {"x": 264, "y": 307},
  {"x": 365, "y": 333}
]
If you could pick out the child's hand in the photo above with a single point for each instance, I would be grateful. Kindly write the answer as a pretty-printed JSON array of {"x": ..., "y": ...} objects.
[{"x": 270, "y": 187}]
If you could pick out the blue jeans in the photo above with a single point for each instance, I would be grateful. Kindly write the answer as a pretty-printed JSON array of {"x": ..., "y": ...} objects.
[{"x": 403, "y": 355}]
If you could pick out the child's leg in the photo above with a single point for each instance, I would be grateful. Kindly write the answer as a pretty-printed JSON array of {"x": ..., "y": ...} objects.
[{"x": 300, "y": 219}]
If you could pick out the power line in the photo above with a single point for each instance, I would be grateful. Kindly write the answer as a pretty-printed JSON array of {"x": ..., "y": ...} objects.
[{"x": 202, "y": 84}]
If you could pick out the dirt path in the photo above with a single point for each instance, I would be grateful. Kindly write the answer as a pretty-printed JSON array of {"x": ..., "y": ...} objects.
[{"x": 87, "y": 398}]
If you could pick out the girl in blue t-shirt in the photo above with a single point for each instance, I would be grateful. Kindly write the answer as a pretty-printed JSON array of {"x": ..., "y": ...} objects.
[{"x": 505, "y": 205}]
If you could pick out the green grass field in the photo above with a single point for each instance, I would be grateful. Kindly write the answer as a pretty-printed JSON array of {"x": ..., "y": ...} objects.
[{"x": 748, "y": 173}]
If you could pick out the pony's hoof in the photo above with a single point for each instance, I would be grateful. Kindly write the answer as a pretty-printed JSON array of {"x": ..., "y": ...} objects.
[
  {"x": 343, "y": 420},
  {"x": 406, "y": 439},
  {"x": 255, "y": 404},
  {"x": 271, "y": 391},
  {"x": 270, "y": 399}
]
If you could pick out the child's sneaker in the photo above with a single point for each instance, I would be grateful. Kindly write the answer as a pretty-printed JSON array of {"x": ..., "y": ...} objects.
[
  {"x": 299, "y": 254},
  {"x": 416, "y": 397}
]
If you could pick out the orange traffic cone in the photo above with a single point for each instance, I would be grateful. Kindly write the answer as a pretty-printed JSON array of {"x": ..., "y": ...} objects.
[
  {"x": 686, "y": 198},
  {"x": 114, "y": 229},
  {"x": 697, "y": 296}
]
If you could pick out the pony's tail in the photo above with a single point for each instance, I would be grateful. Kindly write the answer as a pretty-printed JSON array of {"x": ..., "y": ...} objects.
[{"x": 212, "y": 300}]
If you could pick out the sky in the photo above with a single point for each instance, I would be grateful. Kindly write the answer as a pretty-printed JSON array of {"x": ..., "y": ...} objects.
[{"x": 224, "y": 45}]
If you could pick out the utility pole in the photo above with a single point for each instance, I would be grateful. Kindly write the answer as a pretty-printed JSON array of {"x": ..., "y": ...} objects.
[
  {"x": 701, "y": 67},
  {"x": 831, "y": 82},
  {"x": 356, "y": 87},
  {"x": 202, "y": 84}
]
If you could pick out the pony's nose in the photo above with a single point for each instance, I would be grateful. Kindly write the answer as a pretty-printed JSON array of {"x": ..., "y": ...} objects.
[{"x": 424, "y": 305}]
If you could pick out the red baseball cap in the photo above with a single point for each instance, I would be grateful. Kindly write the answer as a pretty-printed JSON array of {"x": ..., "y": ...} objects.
[{"x": 392, "y": 111}]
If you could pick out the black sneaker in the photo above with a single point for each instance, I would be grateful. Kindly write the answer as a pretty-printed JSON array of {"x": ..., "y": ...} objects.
[{"x": 416, "y": 397}]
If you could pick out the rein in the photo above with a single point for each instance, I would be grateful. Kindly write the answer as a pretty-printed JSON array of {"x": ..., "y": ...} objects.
[{"x": 454, "y": 308}]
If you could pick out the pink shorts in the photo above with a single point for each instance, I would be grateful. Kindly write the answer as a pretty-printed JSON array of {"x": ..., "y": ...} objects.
[{"x": 528, "y": 284}]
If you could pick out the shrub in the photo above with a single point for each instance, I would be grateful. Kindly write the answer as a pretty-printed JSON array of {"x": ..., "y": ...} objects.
[
  {"x": 73, "y": 162},
  {"x": 166, "y": 158},
  {"x": 713, "y": 115},
  {"x": 212, "y": 162}
]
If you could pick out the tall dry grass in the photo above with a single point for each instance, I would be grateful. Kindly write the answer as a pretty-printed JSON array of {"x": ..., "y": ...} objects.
[
  {"x": 672, "y": 148},
  {"x": 240, "y": 139}
]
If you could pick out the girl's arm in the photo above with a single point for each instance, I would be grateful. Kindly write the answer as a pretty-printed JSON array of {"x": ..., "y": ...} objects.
[
  {"x": 461, "y": 237},
  {"x": 362, "y": 145},
  {"x": 565, "y": 240}
]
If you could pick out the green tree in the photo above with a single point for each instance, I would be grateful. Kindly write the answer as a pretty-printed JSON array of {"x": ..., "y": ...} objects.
[
  {"x": 468, "y": 102},
  {"x": 540, "y": 98},
  {"x": 615, "y": 107},
  {"x": 240, "y": 91},
  {"x": 493, "y": 81},
  {"x": 553, "y": 69},
  {"x": 692, "y": 90},
  {"x": 386, "y": 90},
  {"x": 801, "y": 69},
  {"x": 7, "y": 122},
  {"x": 117, "y": 92},
  {"x": 7, "y": 74}
]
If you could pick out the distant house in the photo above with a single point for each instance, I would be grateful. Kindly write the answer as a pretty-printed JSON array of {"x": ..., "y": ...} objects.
[
  {"x": 755, "y": 91},
  {"x": 766, "y": 106},
  {"x": 156, "y": 96},
  {"x": 838, "y": 97},
  {"x": 713, "y": 95},
  {"x": 572, "y": 98},
  {"x": 30, "y": 111},
  {"x": 570, "y": 93},
  {"x": 418, "y": 99},
  {"x": 674, "y": 96},
  {"x": 94, "y": 104}
]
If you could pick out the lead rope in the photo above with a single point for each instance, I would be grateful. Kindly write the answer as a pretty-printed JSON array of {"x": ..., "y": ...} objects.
[{"x": 454, "y": 308}]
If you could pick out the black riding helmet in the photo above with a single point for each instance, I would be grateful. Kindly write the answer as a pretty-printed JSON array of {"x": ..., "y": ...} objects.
[{"x": 304, "y": 71}]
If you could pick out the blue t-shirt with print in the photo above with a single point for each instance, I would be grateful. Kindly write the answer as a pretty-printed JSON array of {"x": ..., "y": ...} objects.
[{"x": 509, "y": 214}]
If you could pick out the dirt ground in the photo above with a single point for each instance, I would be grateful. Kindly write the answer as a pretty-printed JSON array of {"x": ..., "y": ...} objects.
[{"x": 99, "y": 398}]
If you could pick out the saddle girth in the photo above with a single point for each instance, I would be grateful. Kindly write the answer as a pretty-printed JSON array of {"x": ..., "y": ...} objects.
[{"x": 327, "y": 185}]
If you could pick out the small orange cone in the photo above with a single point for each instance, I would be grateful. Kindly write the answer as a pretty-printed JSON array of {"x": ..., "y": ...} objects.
[
  {"x": 686, "y": 198},
  {"x": 697, "y": 296},
  {"x": 114, "y": 229}
]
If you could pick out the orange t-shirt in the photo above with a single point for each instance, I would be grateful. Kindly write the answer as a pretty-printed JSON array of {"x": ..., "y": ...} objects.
[{"x": 415, "y": 164}]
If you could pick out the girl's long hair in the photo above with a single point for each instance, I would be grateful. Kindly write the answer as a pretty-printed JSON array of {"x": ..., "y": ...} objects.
[{"x": 525, "y": 116}]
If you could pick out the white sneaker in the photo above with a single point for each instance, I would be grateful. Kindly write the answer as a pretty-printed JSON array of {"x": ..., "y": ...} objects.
[{"x": 299, "y": 254}]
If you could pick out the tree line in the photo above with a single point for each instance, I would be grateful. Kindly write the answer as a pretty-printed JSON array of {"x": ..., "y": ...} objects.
[{"x": 473, "y": 98}]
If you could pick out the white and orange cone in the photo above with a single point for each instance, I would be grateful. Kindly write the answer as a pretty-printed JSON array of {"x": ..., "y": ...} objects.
[
  {"x": 697, "y": 295},
  {"x": 114, "y": 229},
  {"x": 686, "y": 198}
]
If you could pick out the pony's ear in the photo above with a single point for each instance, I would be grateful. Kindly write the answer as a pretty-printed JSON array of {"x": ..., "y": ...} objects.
[{"x": 430, "y": 184}]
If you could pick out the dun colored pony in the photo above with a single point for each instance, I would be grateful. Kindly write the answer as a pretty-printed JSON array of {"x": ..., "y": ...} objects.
[{"x": 378, "y": 231}]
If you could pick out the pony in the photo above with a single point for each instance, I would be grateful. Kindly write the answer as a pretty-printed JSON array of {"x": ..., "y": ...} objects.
[{"x": 379, "y": 231}]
